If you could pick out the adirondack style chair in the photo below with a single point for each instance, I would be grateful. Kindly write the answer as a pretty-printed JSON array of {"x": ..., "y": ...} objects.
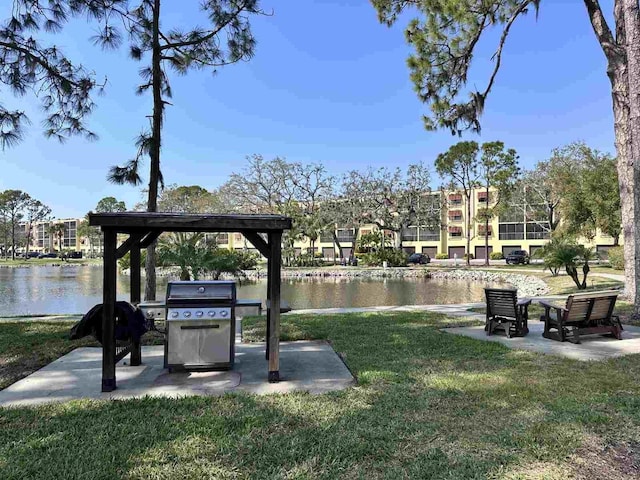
[
  {"x": 583, "y": 314},
  {"x": 506, "y": 312}
]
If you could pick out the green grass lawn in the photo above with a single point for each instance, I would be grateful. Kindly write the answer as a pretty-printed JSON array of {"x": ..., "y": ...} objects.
[{"x": 427, "y": 404}]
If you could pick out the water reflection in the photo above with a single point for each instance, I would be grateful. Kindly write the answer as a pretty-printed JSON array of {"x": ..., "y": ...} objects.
[{"x": 75, "y": 289}]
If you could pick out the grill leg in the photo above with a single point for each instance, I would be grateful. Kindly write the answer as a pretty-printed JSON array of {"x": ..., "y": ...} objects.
[{"x": 136, "y": 353}]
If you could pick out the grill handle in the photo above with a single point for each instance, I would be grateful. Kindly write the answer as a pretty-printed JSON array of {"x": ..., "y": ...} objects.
[{"x": 198, "y": 327}]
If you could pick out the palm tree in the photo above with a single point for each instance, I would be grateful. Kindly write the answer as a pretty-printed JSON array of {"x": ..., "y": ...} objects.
[
  {"x": 564, "y": 252},
  {"x": 184, "y": 250},
  {"x": 191, "y": 254},
  {"x": 57, "y": 230}
]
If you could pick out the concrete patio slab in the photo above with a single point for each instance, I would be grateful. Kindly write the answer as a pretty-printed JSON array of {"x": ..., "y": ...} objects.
[
  {"x": 311, "y": 366},
  {"x": 595, "y": 347}
]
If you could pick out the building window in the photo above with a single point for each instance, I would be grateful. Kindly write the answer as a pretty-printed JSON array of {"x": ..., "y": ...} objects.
[
  {"x": 345, "y": 235},
  {"x": 482, "y": 197},
  {"x": 455, "y": 215},
  {"x": 537, "y": 231},
  {"x": 455, "y": 199},
  {"x": 410, "y": 234},
  {"x": 455, "y": 231},
  {"x": 511, "y": 231},
  {"x": 481, "y": 231},
  {"x": 426, "y": 234},
  {"x": 222, "y": 238},
  {"x": 69, "y": 239}
]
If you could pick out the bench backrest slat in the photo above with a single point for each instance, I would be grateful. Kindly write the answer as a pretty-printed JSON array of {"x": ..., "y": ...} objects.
[
  {"x": 501, "y": 302},
  {"x": 583, "y": 307}
]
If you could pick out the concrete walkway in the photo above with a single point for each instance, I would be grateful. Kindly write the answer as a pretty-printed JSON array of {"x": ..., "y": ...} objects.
[
  {"x": 311, "y": 366},
  {"x": 595, "y": 347},
  {"x": 455, "y": 310}
]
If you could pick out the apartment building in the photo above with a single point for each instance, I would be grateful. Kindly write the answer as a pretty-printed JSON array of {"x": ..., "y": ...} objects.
[
  {"x": 43, "y": 241},
  {"x": 520, "y": 226}
]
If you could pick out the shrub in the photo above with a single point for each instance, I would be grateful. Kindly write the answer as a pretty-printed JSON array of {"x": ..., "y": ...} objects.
[
  {"x": 393, "y": 256},
  {"x": 307, "y": 260},
  {"x": 247, "y": 260},
  {"x": 496, "y": 256},
  {"x": 442, "y": 256},
  {"x": 470, "y": 255},
  {"x": 616, "y": 258}
]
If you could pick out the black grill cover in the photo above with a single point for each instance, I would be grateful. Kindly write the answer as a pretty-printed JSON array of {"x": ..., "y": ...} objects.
[{"x": 130, "y": 323}]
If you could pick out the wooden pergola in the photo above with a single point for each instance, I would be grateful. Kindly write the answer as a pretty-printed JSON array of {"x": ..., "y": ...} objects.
[{"x": 263, "y": 231}]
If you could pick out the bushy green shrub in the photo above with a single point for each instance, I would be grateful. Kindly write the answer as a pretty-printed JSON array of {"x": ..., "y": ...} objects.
[
  {"x": 247, "y": 260},
  {"x": 307, "y": 260},
  {"x": 442, "y": 256},
  {"x": 393, "y": 256},
  {"x": 496, "y": 256},
  {"x": 470, "y": 255},
  {"x": 616, "y": 258}
]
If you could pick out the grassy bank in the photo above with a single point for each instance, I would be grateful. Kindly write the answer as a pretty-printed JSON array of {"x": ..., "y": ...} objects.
[{"x": 428, "y": 404}]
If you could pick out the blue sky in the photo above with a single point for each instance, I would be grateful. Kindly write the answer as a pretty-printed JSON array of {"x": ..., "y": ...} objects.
[{"x": 328, "y": 84}]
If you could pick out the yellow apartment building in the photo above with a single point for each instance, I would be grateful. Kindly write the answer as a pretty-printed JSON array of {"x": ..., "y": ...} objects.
[{"x": 513, "y": 229}]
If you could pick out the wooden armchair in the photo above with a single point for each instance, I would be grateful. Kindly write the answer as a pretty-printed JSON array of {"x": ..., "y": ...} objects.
[
  {"x": 504, "y": 311},
  {"x": 583, "y": 314}
]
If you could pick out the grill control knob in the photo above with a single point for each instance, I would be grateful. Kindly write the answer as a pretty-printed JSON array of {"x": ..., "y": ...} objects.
[
  {"x": 149, "y": 314},
  {"x": 224, "y": 313},
  {"x": 201, "y": 289},
  {"x": 212, "y": 313},
  {"x": 174, "y": 314},
  {"x": 199, "y": 314},
  {"x": 187, "y": 314}
]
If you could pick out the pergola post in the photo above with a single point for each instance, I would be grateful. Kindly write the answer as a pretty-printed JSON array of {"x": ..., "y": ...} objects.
[
  {"x": 273, "y": 339},
  {"x": 108, "y": 311},
  {"x": 134, "y": 255}
]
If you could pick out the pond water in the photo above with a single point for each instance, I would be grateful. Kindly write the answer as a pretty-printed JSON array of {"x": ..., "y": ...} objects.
[{"x": 56, "y": 290}]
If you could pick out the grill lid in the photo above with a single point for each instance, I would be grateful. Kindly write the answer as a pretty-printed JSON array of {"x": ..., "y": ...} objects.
[{"x": 198, "y": 291}]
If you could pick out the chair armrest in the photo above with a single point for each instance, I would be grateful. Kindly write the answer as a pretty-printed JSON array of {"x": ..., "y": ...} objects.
[
  {"x": 546, "y": 304},
  {"x": 524, "y": 302}
]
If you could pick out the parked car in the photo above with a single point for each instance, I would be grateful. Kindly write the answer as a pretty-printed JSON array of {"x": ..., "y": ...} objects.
[
  {"x": 48, "y": 255},
  {"x": 30, "y": 255},
  {"x": 518, "y": 256},
  {"x": 419, "y": 258},
  {"x": 74, "y": 255}
]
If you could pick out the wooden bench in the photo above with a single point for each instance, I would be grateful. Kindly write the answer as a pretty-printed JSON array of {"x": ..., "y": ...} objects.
[
  {"x": 505, "y": 311},
  {"x": 583, "y": 314}
]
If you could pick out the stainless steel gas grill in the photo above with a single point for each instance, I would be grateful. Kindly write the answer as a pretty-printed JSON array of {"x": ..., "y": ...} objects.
[{"x": 200, "y": 324}]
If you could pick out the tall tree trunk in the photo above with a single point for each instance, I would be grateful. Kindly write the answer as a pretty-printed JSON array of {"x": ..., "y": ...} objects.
[
  {"x": 154, "y": 153},
  {"x": 13, "y": 239},
  {"x": 632, "y": 147},
  {"x": 468, "y": 227},
  {"x": 486, "y": 228}
]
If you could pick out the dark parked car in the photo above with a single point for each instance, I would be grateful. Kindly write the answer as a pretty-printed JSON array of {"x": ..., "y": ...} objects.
[
  {"x": 48, "y": 255},
  {"x": 518, "y": 256},
  {"x": 74, "y": 255},
  {"x": 30, "y": 255},
  {"x": 419, "y": 258}
]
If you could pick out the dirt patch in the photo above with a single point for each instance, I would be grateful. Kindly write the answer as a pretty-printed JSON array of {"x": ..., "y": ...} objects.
[{"x": 610, "y": 462}]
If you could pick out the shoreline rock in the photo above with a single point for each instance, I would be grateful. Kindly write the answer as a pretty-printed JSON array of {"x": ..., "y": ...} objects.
[{"x": 527, "y": 285}]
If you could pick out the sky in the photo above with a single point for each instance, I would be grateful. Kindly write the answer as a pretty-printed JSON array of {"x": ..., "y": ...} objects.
[{"x": 328, "y": 84}]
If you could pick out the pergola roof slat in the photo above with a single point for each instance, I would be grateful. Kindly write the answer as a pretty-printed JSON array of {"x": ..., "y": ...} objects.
[{"x": 194, "y": 222}]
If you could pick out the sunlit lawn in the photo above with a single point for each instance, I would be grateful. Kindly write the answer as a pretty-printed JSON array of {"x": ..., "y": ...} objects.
[{"x": 427, "y": 404}]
